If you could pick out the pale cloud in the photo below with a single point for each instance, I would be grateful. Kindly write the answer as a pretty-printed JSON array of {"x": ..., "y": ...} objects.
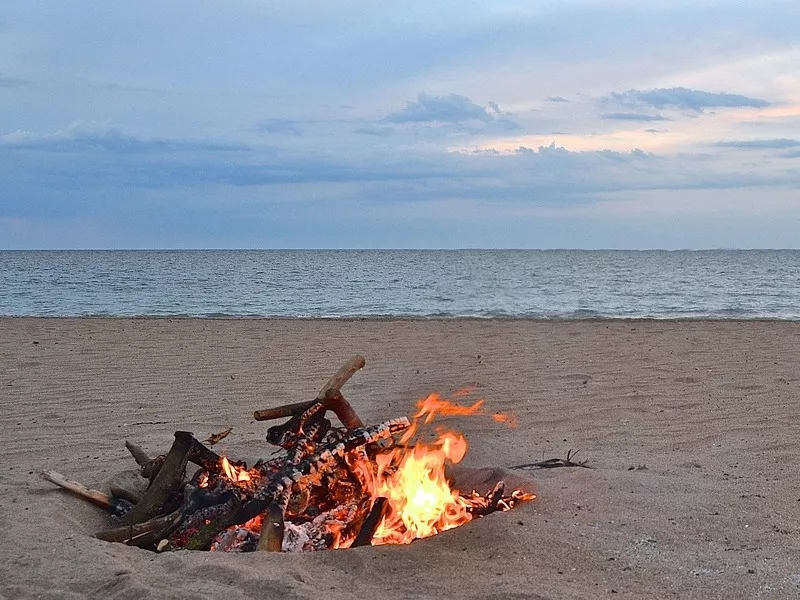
[
  {"x": 632, "y": 117},
  {"x": 451, "y": 109},
  {"x": 684, "y": 98}
]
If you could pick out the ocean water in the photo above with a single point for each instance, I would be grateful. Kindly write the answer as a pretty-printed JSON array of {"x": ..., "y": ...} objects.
[{"x": 551, "y": 284}]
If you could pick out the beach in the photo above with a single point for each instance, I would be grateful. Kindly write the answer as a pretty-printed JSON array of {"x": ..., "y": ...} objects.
[{"x": 690, "y": 429}]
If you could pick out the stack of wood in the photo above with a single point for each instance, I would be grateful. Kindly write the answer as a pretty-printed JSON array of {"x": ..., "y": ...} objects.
[{"x": 307, "y": 498}]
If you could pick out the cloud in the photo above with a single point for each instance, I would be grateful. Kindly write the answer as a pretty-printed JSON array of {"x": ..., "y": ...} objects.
[
  {"x": 684, "y": 98},
  {"x": 374, "y": 130},
  {"x": 453, "y": 109},
  {"x": 556, "y": 99},
  {"x": 81, "y": 137},
  {"x": 290, "y": 126},
  {"x": 14, "y": 82},
  {"x": 774, "y": 144},
  {"x": 620, "y": 116}
]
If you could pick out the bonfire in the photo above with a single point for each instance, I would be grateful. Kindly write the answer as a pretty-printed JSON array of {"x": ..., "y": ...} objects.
[{"x": 329, "y": 486}]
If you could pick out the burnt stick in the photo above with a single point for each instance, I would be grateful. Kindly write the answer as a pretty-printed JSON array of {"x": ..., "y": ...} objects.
[
  {"x": 371, "y": 523},
  {"x": 139, "y": 455},
  {"x": 274, "y": 525}
]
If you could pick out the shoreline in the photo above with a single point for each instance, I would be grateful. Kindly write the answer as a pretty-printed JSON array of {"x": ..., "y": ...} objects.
[{"x": 400, "y": 318}]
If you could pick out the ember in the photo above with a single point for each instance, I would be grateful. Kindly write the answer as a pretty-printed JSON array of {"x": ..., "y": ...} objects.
[{"x": 332, "y": 487}]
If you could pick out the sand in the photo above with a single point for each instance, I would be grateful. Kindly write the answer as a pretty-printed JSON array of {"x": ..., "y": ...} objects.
[{"x": 691, "y": 428}]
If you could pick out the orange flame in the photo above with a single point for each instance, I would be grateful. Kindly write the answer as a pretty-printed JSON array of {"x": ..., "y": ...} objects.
[
  {"x": 420, "y": 500},
  {"x": 234, "y": 473}
]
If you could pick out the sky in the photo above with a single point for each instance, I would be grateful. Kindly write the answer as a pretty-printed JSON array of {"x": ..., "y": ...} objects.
[{"x": 309, "y": 124}]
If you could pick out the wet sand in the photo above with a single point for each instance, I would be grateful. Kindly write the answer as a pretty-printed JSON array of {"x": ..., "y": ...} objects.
[{"x": 691, "y": 428}]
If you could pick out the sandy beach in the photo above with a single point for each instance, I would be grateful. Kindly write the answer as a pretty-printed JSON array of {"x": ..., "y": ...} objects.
[{"x": 690, "y": 428}]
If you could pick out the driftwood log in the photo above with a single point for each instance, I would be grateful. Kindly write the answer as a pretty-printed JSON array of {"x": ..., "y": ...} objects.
[
  {"x": 164, "y": 487},
  {"x": 143, "y": 535},
  {"x": 113, "y": 505},
  {"x": 333, "y": 401}
]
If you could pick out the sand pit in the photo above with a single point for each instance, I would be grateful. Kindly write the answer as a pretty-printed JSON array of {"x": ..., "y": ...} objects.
[{"x": 690, "y": 428}]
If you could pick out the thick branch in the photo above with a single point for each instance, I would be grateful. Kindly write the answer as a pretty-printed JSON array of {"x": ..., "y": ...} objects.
[
  {"x": 334, "y": 383},
  {"x": 342, "y": 376},
  {"x": 272, "y": 528},
  {"x": 336, "y": 402},
  {"x": 142, "y": 534},
  {"x": 166, "y": 483}
]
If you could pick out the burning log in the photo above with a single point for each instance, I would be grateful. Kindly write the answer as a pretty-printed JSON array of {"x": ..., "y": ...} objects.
[
  {"x": 115, "y": 506},
  {"x": 319, "y": 463},
  {"x": 273, "y": 528}
]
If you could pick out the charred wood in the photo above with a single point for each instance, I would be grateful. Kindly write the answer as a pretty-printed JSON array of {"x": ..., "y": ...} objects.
[
  {"x": 320, "y": 462},
  {"x": 371, "y": 523},
  {"x": 160, "y": 496},
  {"x": 143, "y": 535},
  {"x": 273, "y": 527}
]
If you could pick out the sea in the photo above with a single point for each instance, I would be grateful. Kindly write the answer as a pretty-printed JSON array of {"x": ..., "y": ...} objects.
[{"x": 542, "y": 284}]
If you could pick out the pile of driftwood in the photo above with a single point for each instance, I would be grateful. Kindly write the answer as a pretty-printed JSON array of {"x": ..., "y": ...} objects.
[{"x": 309, "y": 497}]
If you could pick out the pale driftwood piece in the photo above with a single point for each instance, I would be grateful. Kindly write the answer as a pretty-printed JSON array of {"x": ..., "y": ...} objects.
[
  {"x": 342, "y": 376},
  {"x": 96, "y": 497},
  {"x": 166, "y": 483},
  {"x": 371, "y": 523},
  {"x": 149, "y": 466},
  {"x": 141, "y": 534},
  {"x": 334, "y": 383},
  {"x": 272, "y": 529},
  {"x": 285, "y": 410},
  {"x": 139, "y": 455}
]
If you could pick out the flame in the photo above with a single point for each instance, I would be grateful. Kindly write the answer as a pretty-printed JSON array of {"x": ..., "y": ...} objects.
[
  {"x": 421, "y": 502},
  {"x": 420, "y": 499},
  {"x": 410, "y": 475},
  {"x": 234, "y": 473}
]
